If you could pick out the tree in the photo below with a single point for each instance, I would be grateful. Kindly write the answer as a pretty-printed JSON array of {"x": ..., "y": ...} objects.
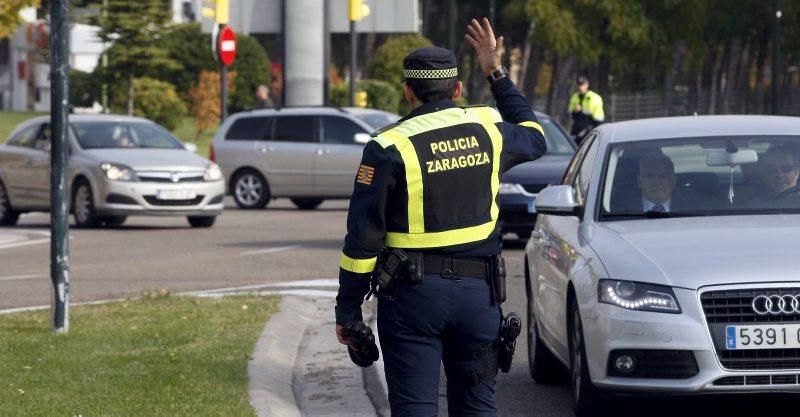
[
  {"x": 191, "y": 49},
  {"x": 205, "y": 100},
  {"x": 157, "y": 100},
  {"x": 9, "y": 15},
  {"x": 83, "y": 90},
  {"x": 387, "y": 62},
  {"x": 252, "y": 69},
  {"x": 134, "y": 27},
  {"x": 380, "y": 94}
]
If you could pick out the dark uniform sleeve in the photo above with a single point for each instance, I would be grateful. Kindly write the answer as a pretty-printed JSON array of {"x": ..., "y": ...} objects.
[
  {"x": 366, "y": 230},
  {"x": 523, "y": 136}
]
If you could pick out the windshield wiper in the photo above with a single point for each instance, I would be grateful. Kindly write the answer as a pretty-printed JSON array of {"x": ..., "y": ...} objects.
[{"x": 655, "y": 214}]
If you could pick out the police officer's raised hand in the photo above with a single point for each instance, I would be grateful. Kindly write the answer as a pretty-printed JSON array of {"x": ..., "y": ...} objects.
[{"x": 488, "y": 49}]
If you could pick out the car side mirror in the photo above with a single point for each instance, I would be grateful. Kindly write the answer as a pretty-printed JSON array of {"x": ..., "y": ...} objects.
[
  {"x": 191, "y": 147},
  {"x": 557, "y": 200},
  {"x": 362, "y": 138}
]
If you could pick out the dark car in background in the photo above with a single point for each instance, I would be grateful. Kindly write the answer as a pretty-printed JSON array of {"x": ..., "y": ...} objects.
[{"x": 519, "y": 186}]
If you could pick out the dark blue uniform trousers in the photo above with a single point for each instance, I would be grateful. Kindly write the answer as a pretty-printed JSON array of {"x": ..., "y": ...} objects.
[{"x": 421, "y": 323}]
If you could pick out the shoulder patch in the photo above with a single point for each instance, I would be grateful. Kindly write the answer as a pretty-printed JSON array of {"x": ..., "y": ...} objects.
[
  {"x": 365, "y": 174},
  {"x": 384, "y": 129}
]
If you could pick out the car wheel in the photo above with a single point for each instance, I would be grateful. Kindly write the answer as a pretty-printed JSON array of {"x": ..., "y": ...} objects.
[
  {"x": 307, "y": 203},
  {"x": 544, "y": 367},
  {"x": 83, "y": 206},
  {"x": 201, "y": 221},
  {"x": 113, "y": 220},
  {"x": 588, "y": 399},
  {"x": 8, "y": 216},
  {"x": 250, "y": 190}
]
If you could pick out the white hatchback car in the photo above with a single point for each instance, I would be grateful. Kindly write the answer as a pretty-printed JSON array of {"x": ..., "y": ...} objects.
[
  {"x": 118, "y": 166},
  {"x": 666, "y": 261}
]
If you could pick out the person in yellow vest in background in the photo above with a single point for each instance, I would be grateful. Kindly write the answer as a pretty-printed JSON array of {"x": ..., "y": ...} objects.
[{"x": 586, "y": 109}]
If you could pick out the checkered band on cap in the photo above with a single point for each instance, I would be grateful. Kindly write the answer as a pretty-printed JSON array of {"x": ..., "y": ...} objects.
[{"x": 430, "y": 73}]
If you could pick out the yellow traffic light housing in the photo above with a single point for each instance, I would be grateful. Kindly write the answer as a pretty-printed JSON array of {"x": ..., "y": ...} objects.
[
  {"x": 361, "y": 99},
  {"x": 219, "y": 12},
  {"x": 358, "y": 9}
]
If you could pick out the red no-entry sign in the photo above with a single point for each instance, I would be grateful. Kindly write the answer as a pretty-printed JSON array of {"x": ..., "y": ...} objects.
[{"x": 227, "y": 46}]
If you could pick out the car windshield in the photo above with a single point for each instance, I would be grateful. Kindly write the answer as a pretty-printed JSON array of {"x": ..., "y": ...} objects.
[
  {"x": 710, "y": 176},
  {"x": 556, "y": 139},
  {"x": 377, "y": 120},
  {"x": 103, "y": 135}
]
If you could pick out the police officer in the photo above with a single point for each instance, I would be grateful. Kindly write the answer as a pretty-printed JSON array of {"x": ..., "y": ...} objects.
[
  {"x": 427, "y": 186},
  {"x": 586, "y": 108}
]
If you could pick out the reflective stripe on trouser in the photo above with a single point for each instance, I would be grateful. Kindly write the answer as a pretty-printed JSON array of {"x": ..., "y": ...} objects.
[{"x": 417, "y": 326}]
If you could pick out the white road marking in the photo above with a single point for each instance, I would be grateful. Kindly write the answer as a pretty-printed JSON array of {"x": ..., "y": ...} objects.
[
  {"x": 20, "y": 277},
  {"x": 37, "y": 308},
  {"x": 270, "y": 250},
  {"x": 299, "y": 293},
  {"x": 303, "y": 283},
  {"x": 26, "y": 243}
]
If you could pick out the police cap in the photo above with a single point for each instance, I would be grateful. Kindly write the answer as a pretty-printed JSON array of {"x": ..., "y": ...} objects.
[{"x": 430, "y": 63}]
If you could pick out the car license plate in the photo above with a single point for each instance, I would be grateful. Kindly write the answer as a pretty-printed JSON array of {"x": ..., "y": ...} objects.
[
  {"x": 532, "y": 206},
  {"x": 175, "y": 194},
  {"x": 763, "y": 336}
]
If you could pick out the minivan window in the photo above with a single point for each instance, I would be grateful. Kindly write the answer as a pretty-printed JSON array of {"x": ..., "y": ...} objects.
[
  {"x": 294, "y": 129},
  {"x": 335, "y": 129},
  {"x": 250, "y": 128},
  {"x": 25, "y": 137}
]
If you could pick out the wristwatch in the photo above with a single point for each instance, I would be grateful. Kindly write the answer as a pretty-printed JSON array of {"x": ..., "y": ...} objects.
[{"x": 497, "y": 74}]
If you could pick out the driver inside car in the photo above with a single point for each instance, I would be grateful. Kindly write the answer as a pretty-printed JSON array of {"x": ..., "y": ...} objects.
[
  {"x": 656, "y": 183},
  {"x": 780, "y": 171}
]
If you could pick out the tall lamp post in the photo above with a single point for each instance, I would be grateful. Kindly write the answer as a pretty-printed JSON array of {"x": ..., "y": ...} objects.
[{"x": 357, "y": 10}]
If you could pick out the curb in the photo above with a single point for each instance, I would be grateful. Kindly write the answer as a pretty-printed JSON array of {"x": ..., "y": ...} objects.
[{"x": 270, "y": 370}]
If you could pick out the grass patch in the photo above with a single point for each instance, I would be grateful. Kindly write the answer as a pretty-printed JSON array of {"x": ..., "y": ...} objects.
[
  {"x": 9, "y": 121},
  {"x": 154, "y": 357},
  {"x": 187, "y": 132}
]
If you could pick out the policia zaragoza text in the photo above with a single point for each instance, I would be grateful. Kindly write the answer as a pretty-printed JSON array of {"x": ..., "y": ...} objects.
[
  {"x": 423, "y": 226},
  {"x": 447, "y": 155}
]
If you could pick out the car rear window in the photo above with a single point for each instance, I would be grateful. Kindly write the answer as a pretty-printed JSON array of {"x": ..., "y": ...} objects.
[
  {"x": 294, "y": 129},
  {"x": 250, "y": 128}
]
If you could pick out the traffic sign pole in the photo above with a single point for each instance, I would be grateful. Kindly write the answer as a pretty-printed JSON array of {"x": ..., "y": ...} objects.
[
  {"x": 226, "y": 54},
  {"x": 59, "y": 125}
]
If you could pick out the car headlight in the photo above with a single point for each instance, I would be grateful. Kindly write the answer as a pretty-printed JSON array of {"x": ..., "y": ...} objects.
[
  {"x": 212, "y": 173},
  {"x": 638, "y": 296},
  {"x": 118, "y": 172},
  {"x": 511, "y": 188}
]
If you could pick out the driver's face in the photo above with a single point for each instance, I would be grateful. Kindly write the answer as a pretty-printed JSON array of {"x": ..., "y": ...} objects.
[
  {"x": 656, "y": 182},
  {"x": 780, "y": 172}
]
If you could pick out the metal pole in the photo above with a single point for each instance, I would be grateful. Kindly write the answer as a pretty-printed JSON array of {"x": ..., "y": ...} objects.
[
  {"x": 104, "y": 63},
  {"x": 776, "y": 60},
  {"x": 353, "y": 62},
  {"x": 326, "y": 30},
  {"x": 223, "y": 93},
  {"x": 59, "y": 124}
]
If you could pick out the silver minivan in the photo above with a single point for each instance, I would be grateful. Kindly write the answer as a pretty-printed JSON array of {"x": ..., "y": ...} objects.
[{"x": 308, "y": 154}]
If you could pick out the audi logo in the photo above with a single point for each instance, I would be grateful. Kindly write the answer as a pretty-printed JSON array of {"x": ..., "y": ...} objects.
[{"x": 776, "y": 304}]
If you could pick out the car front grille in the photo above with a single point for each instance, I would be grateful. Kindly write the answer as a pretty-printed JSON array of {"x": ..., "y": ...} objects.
[
  {"x": 732, "y": 381},
  {"x": 170, "y": 177},
  {"x": 725, "y": 307},
  {"x": 153, "y": 201}
]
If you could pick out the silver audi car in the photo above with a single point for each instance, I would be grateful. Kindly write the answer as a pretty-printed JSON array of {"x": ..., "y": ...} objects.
[
  {"x": 118, "y": 166},
  {"x": 666, "y": 261}
]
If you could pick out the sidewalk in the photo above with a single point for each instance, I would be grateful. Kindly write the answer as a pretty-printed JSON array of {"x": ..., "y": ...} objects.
[{"x": 298, "y": 368}]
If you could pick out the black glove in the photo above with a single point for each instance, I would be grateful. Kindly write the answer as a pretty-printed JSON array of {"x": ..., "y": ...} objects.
[{"x": 366, "y": 351}]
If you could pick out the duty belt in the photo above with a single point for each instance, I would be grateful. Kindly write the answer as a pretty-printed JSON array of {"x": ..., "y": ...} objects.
[{"x": 453, "y": 268}]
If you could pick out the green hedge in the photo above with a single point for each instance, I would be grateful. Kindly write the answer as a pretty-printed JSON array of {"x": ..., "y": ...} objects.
[
  {"x": 380, "y": 94},
  {"x": 158, "y": 101}
]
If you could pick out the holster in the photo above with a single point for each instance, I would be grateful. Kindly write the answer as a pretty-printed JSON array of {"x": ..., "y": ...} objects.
[
  {"x": 512, "y": 326},
  {"x": 497, "y": 278},
  {"x": 395, "y": 265}
]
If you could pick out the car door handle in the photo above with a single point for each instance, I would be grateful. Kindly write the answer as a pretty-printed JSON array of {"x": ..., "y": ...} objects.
[
  {"x": 267, "y": 149},
  {"x": 323, "y": 151}
]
